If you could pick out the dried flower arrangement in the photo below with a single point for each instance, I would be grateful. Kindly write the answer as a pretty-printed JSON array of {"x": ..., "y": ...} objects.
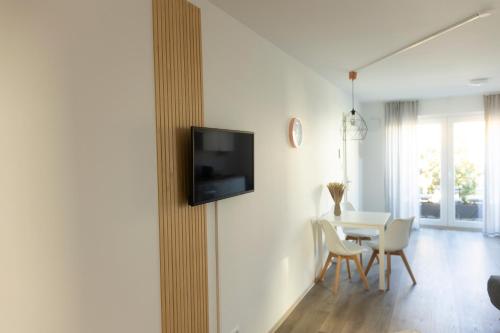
[{"x": 337, "y": 192}]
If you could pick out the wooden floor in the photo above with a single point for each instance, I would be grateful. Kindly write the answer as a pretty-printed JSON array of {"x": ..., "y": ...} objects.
[{"x": 451, "y": 268}]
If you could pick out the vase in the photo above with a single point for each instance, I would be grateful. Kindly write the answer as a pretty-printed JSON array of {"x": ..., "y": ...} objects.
[{"x": 336, "y": 210}]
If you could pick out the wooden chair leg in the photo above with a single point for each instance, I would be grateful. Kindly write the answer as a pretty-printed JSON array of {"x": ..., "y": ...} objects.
[
  {"x": 370, "y": 262},
  {"x": 361, "y": 254},
  {"x": 348, "y": 267},
  {"x": 403, "y": 256},
  {"x": 328, "y": 261},
  {"x": 337, "y": 274},
  {"x": 378, "y": 260},
  {"x": 388, "y": 271},
  {"x": 361, "y": 274}
]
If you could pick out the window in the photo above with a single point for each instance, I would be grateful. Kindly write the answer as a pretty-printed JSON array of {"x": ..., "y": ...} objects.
[{"x": 451, "y": 171}]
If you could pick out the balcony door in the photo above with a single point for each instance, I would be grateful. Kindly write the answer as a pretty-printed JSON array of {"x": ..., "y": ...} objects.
[{"x": 451, "y": 171}]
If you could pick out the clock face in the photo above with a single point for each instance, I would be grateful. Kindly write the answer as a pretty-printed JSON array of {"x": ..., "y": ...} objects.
[{"x": 295, "y": 132}]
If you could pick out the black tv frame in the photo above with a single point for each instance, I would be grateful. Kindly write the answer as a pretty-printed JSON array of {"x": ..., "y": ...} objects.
[{"x": 191, "y": 164}]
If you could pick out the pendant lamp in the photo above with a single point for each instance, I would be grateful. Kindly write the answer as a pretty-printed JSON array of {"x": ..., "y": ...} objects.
[{"x": 354, "y": 125}]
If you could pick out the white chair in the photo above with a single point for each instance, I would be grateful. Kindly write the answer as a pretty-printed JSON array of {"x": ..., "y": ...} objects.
[
  {"x": 340, "y": 249},
  {"x": 356, "y": 234},
  {"x": 397, "y": 238}
]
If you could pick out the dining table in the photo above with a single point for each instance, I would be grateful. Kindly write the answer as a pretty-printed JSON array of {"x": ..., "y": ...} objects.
[{"x": 365, "y": 220}]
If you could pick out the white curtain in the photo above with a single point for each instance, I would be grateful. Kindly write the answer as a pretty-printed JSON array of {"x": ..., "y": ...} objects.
[
  {"x": 492, "y": 195},
  {"x": 401, "y": 172}
]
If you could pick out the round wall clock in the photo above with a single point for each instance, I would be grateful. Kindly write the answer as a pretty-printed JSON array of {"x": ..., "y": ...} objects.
[{"x": 295, "y": 132}]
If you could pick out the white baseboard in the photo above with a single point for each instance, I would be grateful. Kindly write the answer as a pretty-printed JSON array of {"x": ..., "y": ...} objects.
[
  {"x": 456, "y": 228},
  {"x": 289, "y": 311}
]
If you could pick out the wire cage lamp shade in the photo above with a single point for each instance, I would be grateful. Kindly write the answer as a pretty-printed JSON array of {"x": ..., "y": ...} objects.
[{"x": 355, "y": 127}]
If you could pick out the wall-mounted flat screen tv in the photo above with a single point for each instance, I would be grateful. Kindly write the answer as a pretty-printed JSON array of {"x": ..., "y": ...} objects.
[{"x": 222, "y": 164}]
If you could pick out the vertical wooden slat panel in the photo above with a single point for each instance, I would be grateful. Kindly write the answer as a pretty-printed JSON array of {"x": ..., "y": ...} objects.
[
  {"x": 166, "y": 79},
  {"x": 189, "y": 93},
  {"x": 202, "y": 227},
  {"x": 159, "y": 99},
  {"x": 179, "y": 105},
  {"x": 181, "y": 173},
  {"x": 169, "y": 27},
  {"x": 197, "y": 281},
  {"x": 179, "y": 110}
]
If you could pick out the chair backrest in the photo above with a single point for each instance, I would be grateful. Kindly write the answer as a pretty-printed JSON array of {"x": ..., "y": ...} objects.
[
  {"x": 347, "y": 206},
  {"x": 398, "y": 233},
  {"x": 333, "y": 242}
]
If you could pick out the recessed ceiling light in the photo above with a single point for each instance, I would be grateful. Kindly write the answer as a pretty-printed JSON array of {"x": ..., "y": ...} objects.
[{"x": 478, "y": 82}]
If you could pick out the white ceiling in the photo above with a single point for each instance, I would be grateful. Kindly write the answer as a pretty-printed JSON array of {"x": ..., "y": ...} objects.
[{"x": 334, "y": 36}]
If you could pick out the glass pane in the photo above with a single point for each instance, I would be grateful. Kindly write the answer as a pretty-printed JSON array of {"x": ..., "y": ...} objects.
[
  {"x": 429, "y": 182},
  {"x": 468, "y": 160}
]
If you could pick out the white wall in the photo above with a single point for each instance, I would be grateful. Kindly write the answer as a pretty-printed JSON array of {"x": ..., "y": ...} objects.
[
  {"x": 78, "y": 204},
  {"x": 267, "y": 249},
  {"x": 372, "y": 150}
]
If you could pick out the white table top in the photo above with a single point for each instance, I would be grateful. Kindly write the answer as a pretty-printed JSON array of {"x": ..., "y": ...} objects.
[{"x": 358, "y": 219}]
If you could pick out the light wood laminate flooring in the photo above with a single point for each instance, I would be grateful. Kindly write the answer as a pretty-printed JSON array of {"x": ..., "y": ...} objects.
[{"x": 451, "y": 269}]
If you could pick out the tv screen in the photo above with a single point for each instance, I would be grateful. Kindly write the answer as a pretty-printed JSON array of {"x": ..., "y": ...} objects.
[{"x": 222, "y": 164}]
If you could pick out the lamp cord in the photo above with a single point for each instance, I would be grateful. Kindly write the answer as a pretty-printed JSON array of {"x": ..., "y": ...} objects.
[{"x": 352, "y": 92}]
